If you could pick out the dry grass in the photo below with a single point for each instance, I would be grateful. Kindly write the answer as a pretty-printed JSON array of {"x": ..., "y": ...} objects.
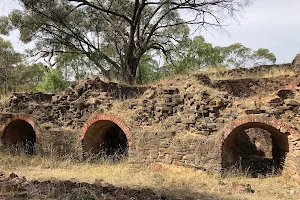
[
  {"x": 278, "y": 72},
  {"x": 4, "y": 100},
  {"x": 216, "y": 74},
  {"x": 161, "y": 178},
  {"x": 215, "y": 69}
]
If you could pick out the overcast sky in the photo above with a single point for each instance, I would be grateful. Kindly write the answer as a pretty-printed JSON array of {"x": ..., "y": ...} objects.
[{"x": 271, "y": 24}]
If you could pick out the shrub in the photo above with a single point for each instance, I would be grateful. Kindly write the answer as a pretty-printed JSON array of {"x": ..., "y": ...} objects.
[{"x": 53, "y": 81}]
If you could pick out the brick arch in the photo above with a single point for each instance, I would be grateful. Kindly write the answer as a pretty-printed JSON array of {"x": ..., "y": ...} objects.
[
  {"x": 281, "y": 133},
  {"x": 108, "y": 117},
  {"x": 261, "y": 121},
  {"x": 24, "y": 117}
]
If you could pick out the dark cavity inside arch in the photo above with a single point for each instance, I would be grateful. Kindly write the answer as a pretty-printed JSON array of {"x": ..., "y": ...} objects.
[
  {"x": 18, "y": 136},
  {"x": 242, "y": 149},
  {"x": 105, "y": 139}
]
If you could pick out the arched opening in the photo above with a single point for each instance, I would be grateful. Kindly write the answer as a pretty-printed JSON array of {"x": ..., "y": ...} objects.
[
  {"x": 105, "y": 139},
  {"x": 19, "y": 136},
  {"x": 256, "y": 149}
]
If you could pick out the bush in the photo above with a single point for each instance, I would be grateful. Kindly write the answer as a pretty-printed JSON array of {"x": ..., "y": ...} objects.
[{"x": 53, "y": 81}]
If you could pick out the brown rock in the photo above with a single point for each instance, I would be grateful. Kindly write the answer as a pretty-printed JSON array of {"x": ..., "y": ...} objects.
[
  {"x": 292, "y": 102},
  {"x": 285, "y": 94},
  {"x": 254, "y": 111}
]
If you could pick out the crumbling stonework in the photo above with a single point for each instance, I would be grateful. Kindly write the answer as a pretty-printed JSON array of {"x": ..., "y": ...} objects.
[
  {"x": 188, "y": 121},
  {"x": 296, "y": 61}
]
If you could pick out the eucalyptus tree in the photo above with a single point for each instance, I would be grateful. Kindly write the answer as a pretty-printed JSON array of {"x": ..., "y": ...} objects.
[
  {"x": 197, "y": 54},
  {"x": 237, "y": 56},
  {"x": 115, "y": 34},
  {"x": 8, "y": 59},
  {"x": 75, "y": 65},
  {"x": 15, "y": 73}
]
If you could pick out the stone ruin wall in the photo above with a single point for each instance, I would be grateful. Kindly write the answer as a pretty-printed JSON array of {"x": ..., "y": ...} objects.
[{"x": 185, "y": 124}]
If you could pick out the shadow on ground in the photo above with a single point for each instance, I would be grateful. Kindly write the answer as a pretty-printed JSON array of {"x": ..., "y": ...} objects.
[
  {"x": 14, "y": 187},
  {"x": 55, "y": 189}
]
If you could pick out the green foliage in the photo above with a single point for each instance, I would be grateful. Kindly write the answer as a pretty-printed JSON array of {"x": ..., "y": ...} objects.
[
  {"x": 25, "y": 78},
  {"x": 15, "y": 74},
  {"x": 75, "y": 65},
  {"x": 8, "y": 59},
  {"x": 197, "y": 54},
  {"x": 263, "y": 56},
  {"x": 5, "y": 25},
  {"x": 53, "y": 81},
  {"x": 149, "y": 70},
  {"x": 237, "y": 55},
  {"x": 113, "y": 35}
]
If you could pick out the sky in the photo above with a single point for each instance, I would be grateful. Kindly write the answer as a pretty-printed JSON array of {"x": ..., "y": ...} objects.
[{"x": 271, "y": 24}]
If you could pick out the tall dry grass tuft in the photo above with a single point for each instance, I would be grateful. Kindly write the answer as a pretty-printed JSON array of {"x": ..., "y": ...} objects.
[
  {"x": 219, "y": 73},
  {"x": 4, "y": 100},
  {"x": 215, "y": 69},
  {"x": 237, "y": 171}
]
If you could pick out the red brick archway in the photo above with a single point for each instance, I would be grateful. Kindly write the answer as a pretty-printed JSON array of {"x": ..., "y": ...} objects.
[
  {"x": 282, "y": 127},
  {"x": 279, "y": 131},
  {"x": 106, "y": 133},
  {"x": 19, "y": 133},
  {"x": 24, "y": 117},
  {"x": 112, "y": 118}
]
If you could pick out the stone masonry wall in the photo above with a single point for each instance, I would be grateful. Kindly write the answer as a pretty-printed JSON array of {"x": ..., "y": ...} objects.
[
  {"x": 192, "y": 126},
  {"x": 183, "y": 123}
]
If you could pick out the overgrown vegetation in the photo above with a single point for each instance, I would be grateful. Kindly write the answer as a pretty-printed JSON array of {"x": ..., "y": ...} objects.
[{"x": 53, "y": 81}]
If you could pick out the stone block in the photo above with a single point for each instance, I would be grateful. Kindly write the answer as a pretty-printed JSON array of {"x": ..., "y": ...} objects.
[
  {"x": 212, "y": 126},
  {"x": 170, "y": 90},
  {"x": 254, "y": 111},
  {"x": 189, "y": 120}
]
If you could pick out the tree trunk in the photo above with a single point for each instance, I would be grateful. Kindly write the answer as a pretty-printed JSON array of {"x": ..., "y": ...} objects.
[
  {"x": 130, "y": 70},
  {"x": 6, "y": 83}
]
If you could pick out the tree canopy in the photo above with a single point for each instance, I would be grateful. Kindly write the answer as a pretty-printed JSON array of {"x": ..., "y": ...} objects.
[
  {"x": 237, "y": 55},
  {"x": 15, "y": 73},
  {"x": 8, "y": 59},
  {"x": 199, "y": 54},
  {"x": 196, "y": 54},
  {"x": 114, "y": 34}
]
